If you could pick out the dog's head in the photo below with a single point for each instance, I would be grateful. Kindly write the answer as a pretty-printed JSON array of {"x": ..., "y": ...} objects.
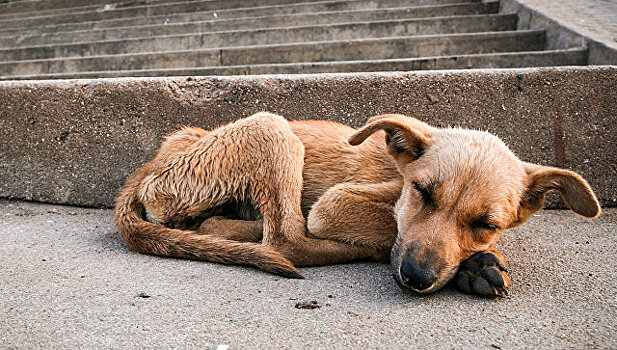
[{"x": 461, "y": 189}]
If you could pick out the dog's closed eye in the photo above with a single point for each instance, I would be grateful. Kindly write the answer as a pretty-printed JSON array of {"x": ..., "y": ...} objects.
[
  {"x": 483, "y": 225},
  {"x": 427, "y": 197}
]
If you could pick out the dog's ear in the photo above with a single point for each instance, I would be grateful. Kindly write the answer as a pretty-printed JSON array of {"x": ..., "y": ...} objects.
[
  {"x": 575, "y": 191},
  {"x": 405, "y": 136}
]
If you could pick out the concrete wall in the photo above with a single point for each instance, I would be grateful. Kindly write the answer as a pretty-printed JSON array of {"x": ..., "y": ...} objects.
[{"x": 76, "y": 141}]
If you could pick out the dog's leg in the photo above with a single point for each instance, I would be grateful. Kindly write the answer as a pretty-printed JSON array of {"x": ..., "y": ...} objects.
[
  {"x": 318, "y": 252},
  {"x": 352, "y": 222},
  {"x": 277, "y": 194},
  {"x": 276, "y": 186},
  {"x": 485, "y": 274},
  {"x": 256, "y": 159},
  {"x": 301, "y": 250},
  {"x": 359, "y": 214},
  {"x": 232, "y": 229}
]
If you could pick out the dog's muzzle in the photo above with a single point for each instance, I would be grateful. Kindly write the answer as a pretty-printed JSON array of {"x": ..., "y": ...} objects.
[{"x": 415, "y": 277}]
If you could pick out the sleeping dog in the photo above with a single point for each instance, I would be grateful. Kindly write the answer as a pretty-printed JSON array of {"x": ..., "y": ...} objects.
[{"x": 278, "y": 194}]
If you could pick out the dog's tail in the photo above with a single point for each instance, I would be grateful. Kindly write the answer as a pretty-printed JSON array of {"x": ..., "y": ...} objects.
[{"x": 154, "y": 239}]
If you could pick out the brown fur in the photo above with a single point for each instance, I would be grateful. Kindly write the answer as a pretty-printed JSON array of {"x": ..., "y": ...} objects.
[{"x": 317, "y": 192}]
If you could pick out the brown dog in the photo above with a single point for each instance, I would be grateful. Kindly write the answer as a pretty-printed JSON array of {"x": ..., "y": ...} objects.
[{"x": 433, "y": 201}]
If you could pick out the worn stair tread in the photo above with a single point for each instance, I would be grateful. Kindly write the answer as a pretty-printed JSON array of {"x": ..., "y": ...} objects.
[
  {"x": 205, "y": 5},
  {"x": 47, "y": 10},
  {"x": 140, "y": 5},
  {"x": 47, "y": 6},
  {"x": 144, "y": 37},
  {"x": 571, "y": 56},
  {"x": 399, "y": 47},
  {"x": 57, "y": 35},
  {"x": 291, "y": 34}
]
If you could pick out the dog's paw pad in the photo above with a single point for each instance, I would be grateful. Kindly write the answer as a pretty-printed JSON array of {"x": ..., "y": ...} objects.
[{"x": 483, "y": 274}]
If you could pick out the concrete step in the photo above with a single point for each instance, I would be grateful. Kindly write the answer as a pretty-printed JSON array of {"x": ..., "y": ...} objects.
[
  {"x": 22, "y": 9},
  {"x": 18, "y": 7},
  {"x": 138, "y": 6},
  {"x": 254, "y": 6},
  {"x": 194, "y": 23},
  {"x": 548, "y": 58},
  {"x": 142, "y": 7},
  {"x": 44, "y": 6},
  {"x": 348, "y": 31},
  {"x": 76, "y": 141},
  {"x": 386, "y": 48}
]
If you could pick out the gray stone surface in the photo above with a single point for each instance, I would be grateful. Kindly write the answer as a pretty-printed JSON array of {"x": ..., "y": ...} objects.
[
  {"x": 282, "y": 35},
  {"x": 15, "y": 7},
  {"x": 266, "y": 6},
  {"x": 67, "y": 281},
  {"x": 27, "y": 7},
  {"x": 166, "y": 38},
  {"x": 341, "y": 50},
  {"x": 570, "y": 23},
  {"x": 547, "y": 58},
  {"x": 203, "y": 22},
  {"x": 227, "y": 15},
  {"x": 595, "y": 19},
  {"x": 76, "y": 141},
  {"x": 123, "y": 8}
]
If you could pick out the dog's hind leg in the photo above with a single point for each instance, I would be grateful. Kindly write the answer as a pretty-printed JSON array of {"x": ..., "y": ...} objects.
[
  {"x": 256, "y": 159},
  {"x": 232, "y": 229},
  {"x": 307, "y": 251},
  {"x": 275, "y": 186}
]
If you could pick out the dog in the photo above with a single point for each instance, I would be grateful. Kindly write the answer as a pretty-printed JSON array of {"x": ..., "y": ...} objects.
[{"x": 278, "y": 194}]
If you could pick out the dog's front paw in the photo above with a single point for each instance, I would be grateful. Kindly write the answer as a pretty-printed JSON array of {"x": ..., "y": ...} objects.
[{"x": 484, "y": 274}]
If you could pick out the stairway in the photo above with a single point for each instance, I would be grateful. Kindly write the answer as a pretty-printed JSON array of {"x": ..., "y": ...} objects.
[{"x": 47, "y": 39}]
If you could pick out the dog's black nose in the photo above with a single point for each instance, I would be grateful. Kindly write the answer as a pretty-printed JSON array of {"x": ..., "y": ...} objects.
[{"x": 416, "y": 278}]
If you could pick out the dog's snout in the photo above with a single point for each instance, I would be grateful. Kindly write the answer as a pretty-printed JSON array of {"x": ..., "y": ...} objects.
[{"x": 415, "y": 277}]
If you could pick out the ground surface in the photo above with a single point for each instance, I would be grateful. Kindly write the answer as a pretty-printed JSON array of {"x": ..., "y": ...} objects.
[
  {"x": 67, "y": 281},
  {"x": 594, "y": 18}
]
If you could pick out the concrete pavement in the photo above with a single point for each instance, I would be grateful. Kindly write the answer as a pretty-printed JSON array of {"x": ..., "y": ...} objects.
[
  {"x": 67, "y": 281},
  {"x": 595, "y": 19}
]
